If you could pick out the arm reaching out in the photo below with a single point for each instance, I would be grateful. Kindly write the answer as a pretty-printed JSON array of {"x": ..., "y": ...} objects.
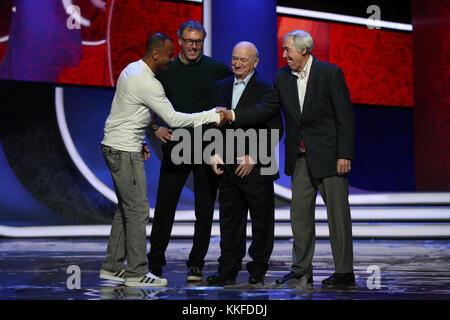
[{"x": 159, "y": 103}]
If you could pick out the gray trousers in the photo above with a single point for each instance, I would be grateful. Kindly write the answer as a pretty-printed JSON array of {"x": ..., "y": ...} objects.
[
  {"x": 128, "y": 236},
  {"x": 334, "y": 191}
]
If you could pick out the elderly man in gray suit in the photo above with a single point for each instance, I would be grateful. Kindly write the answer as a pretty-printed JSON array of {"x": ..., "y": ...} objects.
[{"x": 319, "y": 148}]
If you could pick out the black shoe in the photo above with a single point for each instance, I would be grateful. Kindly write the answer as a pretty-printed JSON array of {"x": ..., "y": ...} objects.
[
  {"x": 194, "y": 274},
  {"x": 291, "y": 275},
  {"x": 256, "y": 279},
  {"x": 218, "y": 280},
  {"x": 340, "y": 281}
]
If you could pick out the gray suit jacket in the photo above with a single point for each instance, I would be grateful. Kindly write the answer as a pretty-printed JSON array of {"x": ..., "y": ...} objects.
[{"x": 326, "y": 123}]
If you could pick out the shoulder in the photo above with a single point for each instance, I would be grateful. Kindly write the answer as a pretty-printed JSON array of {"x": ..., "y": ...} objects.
[
  {"x": 210, "y": 62},
  {"x": 326, "y": 66},
  {"x": 131, "y": 74},
  {"x": 174, "y": 67},
  {"x": 224, "y": 82},
  {"x": 283, "y": 75},
  {"x": 141, "y": 79},
  {"x": 283, "y": 72}
]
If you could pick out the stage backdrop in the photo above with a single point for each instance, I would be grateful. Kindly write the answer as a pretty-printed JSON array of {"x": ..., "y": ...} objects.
[{"x": 39, "y": 52}]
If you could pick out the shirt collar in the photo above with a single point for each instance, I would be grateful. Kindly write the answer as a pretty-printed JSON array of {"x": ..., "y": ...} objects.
[
  {"x": 246, "y": 80},
  {"x": 180, "y": 56},
  {"x": 305, "y": 70}
]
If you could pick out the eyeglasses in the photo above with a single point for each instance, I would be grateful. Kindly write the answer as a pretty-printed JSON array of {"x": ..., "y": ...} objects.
[{"x": 189, "y": 42}]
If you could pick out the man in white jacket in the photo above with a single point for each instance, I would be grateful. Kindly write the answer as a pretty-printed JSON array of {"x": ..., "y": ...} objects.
[{"x": 138, "y": 93}]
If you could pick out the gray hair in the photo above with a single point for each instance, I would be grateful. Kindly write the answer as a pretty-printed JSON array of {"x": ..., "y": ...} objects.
[{"x": 302, "y": 40}]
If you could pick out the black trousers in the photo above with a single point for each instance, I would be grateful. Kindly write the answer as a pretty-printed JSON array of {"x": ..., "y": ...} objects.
[
  {"x": 171, "y": 181},
  {"x": 236, "y": 199}
]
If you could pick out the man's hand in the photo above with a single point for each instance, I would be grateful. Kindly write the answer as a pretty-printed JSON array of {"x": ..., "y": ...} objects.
[
  {"x": 245, "y": 167},
  {"x": 343, "y": 166},
  {"x": 145, "y": 151},
  {"x": 163, "y": 134},
  {"x": 225, "y": 115},
  {"x": 215, "y": 161}
]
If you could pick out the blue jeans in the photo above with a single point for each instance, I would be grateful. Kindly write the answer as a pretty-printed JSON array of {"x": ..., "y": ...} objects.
[{"x": 128, "y": 231}]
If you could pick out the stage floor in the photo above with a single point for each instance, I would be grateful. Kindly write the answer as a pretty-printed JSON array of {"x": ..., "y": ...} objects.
[{"x": 48, "y": 269}]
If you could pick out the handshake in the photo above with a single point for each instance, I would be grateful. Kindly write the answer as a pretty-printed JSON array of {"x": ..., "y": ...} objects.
[{"x": 226, "y": 115}]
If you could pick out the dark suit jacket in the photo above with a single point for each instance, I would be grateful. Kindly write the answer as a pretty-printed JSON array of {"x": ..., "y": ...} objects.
[
  {"x": 326, "y": 123},
  {"x": 254, "y": 92}
]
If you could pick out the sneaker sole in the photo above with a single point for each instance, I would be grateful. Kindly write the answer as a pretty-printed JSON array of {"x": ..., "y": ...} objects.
[{"x": 143, "y": 284}]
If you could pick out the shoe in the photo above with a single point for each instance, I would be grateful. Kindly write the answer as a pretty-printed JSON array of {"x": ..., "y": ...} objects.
[
  {"x": 340, "y": 281},
  {"x": 256, "y": 279},
  {"x": 292, "y": 275},
  {"x": 147, "y": 280},
  {"x": 116, "y": 276},
  {"x": 218, "y": 280},
  {"x": 194, "y": 274}
]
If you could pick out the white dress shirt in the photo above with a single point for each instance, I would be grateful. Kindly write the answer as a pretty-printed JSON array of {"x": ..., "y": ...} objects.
[
  {"x": 138, "y": 92},
  {"x": 238, "y": 89},
  {"x": 302, "y": 81}
]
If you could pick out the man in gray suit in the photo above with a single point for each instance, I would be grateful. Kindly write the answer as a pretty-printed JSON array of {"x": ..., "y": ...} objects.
[{"x": 319, "y": 148}]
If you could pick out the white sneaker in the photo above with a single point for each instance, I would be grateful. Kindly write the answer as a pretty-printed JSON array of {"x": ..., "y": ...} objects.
[
  {"x": 147, "y": 280},
  {"x": 116, "y": 276}
]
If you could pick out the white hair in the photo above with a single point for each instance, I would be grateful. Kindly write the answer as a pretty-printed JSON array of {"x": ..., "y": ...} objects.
[{"x": 302, "y": 40}]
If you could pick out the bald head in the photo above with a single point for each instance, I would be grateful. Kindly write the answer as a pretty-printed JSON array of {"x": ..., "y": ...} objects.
[
  {"x": 244, "y": 59},
  {"x": 247, "y": 46}
]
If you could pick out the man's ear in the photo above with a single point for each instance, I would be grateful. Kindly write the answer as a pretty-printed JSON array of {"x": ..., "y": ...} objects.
[
  {"x": 155, "y": 54},
  {"x": 256, "y": 62}
]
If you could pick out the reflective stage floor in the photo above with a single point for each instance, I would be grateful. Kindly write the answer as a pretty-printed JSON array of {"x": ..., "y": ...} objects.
[{"x": 68, "y": 269}]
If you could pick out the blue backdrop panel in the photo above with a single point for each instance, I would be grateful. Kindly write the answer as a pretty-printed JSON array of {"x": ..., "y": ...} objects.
[
  {"x": 17, "y": 206},
  {"x": 250, "y": 20},
  {"x": 384, "y": 147}
]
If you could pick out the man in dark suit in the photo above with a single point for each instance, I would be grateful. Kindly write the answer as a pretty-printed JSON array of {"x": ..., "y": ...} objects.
[
  {"x": 188, "y": 84},
  {"x": 243, "y": 183},
  {"x": 319, "y": 148}
]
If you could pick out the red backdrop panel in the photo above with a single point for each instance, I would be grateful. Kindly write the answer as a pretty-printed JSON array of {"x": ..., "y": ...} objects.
[
  {"x": 377, "y": 64},
  {"x": 92, "y": 69},
  {"x": 431, "y": 24},
  {"x": 123, "y": 38},
  {"x": 5, "y": 26},
  {"x": 134, "y": 20}
]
